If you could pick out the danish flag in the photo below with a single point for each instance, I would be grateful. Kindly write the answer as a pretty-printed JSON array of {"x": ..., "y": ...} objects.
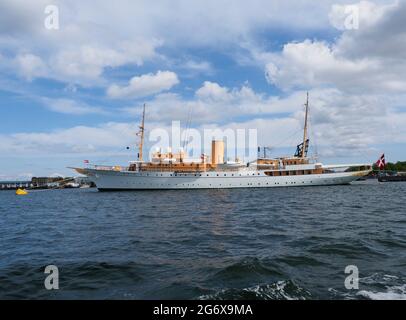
[
  {"x": 381, "y": 162},
  {"x": 86, "y": 161}
]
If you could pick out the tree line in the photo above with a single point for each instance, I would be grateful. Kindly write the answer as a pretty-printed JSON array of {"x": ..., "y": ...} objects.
[{"x": 398, "y": 166}]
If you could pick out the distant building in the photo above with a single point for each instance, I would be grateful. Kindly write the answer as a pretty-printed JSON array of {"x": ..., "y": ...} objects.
[
  {"x": 12, "y": 185},
  {"x": 43, "y": 182},
  {"x": 47, "y": 182}
]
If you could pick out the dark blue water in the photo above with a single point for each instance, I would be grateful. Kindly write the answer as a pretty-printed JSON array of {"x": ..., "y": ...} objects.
[{"x": 287, "y": 243}]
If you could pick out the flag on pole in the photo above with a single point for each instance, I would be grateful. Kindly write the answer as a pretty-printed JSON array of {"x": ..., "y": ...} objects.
[
  {"x": 381, "y": 162},
  {"x": 86, "y": 161}
]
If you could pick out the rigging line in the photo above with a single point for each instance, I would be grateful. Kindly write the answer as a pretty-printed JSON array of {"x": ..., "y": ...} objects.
[
  {"x": 188, "y": 123},
  {"x": 287, "y": 139},
  {"x": 316, "y": 146},
  {"x": 184, "y": 135},
  {"x": 188, "y": 129},
  {"x": 313, "y": 135},
  {"x": 185, "y": 130}
]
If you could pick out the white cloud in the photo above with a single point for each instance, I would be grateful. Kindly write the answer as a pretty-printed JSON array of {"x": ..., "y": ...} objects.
[
  {"x": 314, "y": 63},
  {"x": 215, "y": 103},
  {"x": 368, "y": 13},
  {"x": 214, "y": 91},
  {"x": 79, "y": 140},
  {"x": 199, "y": 66},
  {"x": 368, "y": 59},
  {"x": 30, "y": 66},
  {"x": 145, "y": 85},
  {"x": 89, "y": 61},
  {"x": 69, "y": 106},
  {"x": 357, "y": 82},
  {"x": 342, "y": 124},
  {"x": 78, "y": 52},
  {"x": 126, "y": 32}
]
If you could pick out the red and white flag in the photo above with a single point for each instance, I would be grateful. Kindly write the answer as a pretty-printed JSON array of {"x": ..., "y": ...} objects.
[
  {"x": 381, "y": 162},
  {"x": 86, "y": 161}
]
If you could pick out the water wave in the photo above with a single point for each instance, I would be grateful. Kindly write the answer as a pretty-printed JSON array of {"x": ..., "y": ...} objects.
[
  {"x": 281, "y": 290},
  {"x": 392, "y": 293}
]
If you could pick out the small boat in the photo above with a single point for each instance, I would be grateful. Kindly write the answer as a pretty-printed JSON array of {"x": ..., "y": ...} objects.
[{"x": 21, "y": 192}]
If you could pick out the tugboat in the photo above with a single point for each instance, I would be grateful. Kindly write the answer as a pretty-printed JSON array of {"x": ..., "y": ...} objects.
[{"x": 174, "y": 171}]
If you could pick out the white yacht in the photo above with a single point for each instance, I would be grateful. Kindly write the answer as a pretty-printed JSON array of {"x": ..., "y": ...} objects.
[{"x": 174, "y": 171}]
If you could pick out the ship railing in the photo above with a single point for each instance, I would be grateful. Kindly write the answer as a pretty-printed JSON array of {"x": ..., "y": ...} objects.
[{"x": 110, "y": 168}]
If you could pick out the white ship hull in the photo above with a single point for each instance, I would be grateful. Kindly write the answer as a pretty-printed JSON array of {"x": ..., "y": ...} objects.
[{"x": 127, "y": 180}]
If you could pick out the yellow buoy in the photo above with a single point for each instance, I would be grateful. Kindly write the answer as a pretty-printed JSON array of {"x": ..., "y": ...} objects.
[{"x": 21, "y": 192}]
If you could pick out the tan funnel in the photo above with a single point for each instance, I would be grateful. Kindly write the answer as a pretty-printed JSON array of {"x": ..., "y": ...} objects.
[{"x": 217, "y": 152}]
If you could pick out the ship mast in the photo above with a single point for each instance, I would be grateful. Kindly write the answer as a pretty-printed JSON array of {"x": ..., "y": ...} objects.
[
  {"x": 305, "y": 127},
  {"x": 141, "y": 132}
]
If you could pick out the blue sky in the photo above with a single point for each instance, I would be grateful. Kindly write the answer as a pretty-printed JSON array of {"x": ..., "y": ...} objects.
[{"x": 76, "y": 92}]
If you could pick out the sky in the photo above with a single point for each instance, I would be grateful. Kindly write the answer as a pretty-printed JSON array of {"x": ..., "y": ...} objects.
[{"x": 75, "y": 74}]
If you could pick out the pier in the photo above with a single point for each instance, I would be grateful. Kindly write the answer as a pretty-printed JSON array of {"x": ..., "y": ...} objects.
[{"x": 13, "y": 185}]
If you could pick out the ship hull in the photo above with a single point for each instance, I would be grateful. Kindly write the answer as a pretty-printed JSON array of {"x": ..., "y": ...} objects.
[{"x": 119, "y": 180}]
